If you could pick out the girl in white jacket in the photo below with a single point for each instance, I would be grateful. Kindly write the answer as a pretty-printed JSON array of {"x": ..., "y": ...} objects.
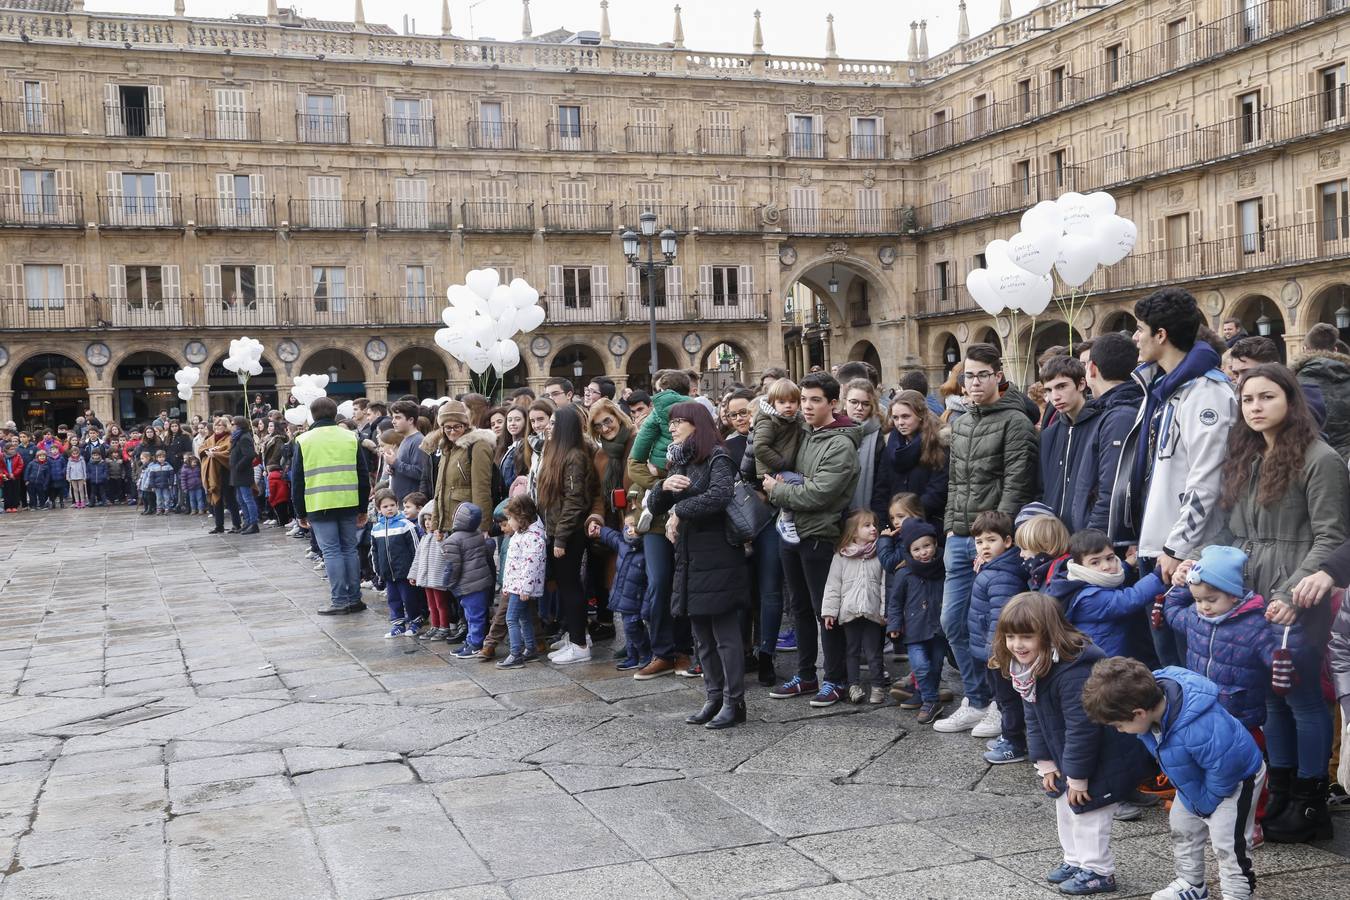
[{"x": 855, "y": 601}]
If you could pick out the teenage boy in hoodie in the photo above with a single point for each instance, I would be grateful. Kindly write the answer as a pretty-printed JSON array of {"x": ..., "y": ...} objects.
[
  {"x": 1209, "y": 757},
  {"x": 828, "y": 464},
  {"x": 1166, "y": 494}
]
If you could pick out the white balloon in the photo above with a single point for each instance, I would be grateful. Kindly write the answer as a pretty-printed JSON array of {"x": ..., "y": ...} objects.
[
  {"x": 452, "y": 316},
  {"x": 445, "y": 338},
  {"x": 996, "y": 254},
  {"x": 1102, "y": 204},
  {"x": 231, "y": 364},
  {"x": 529, "y": 318},
  {"x": 500, "y": 301},
  {"x": 482, "y": 281},
  {"x": 346, "y": 409},
  {"x": 1012, "y": 285},
  {"x": 982, "y": 291},
  {"x": 297, "y": 415},
  {"x": 1078, "y": 215},
  {"x": 477, "y": 359},
  {"x": 1035, "y": 252},
  {"x": 431, "y": 401},
  {"x": 506, "y": 324},
  {"x": 1078, "y": 255},
  {"x": 505, "y": 356},
  {"x": 1115, "y": 238},
  {"x": 1038, "y": 297},
  {"x": 185, "y": 393},
  {"x": 460, "y": 297},
  {"x": 1044, "y": 216},
  {"x": 522, "y": 295},
  {"x": 254, "y": 368},
  {"x": 483, "y": 330}
]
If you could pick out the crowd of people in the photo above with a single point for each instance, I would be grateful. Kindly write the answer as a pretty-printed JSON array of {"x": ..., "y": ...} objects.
[{"x": 1133, "y": 568}]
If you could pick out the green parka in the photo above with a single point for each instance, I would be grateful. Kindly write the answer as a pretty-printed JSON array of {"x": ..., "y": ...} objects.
[
  {"x": 994, "y": 462},
  {"x": 827, "y": 460}
]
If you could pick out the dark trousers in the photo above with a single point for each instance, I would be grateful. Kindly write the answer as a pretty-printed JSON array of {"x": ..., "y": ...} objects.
[
  {"x": 227, "y": 501},
  {"x": 566, "y": 572},
  {"x": 98, "y": 493},
  {"x": 13, "y": 492},
  {"x": 864, "y": 639},
  {"x": 670, "y": 633},
  {"x": 806, "y": 568},
  {"x": 721, "y": 654},
  {"x": 599, "y": 560},
  {"x": 1013, "y": 719}
]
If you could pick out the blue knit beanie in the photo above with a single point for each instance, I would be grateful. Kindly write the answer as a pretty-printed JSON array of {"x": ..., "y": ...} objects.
[
  {"x": 1221, "y": 568},
  {"x": 1031, "y": 511}
]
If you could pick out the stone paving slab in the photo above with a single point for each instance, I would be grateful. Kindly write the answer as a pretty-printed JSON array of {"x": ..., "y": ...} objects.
[{"x": 175, "y": 721}]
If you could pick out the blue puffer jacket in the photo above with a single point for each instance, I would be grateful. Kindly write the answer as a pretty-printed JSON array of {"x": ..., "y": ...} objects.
[
  {"x": 630, "y": 573},
  {"x": 38, "y": 476},
  {"x": 1059, "y": 729},
  {"x": 913, "y": 592},
  {"x": 57, "y": 464},
  {"x": 1113, "y": 617},
  {"x": 98, "y": 472},
  {"x": 997, "y": 582},
  {"x": 1205, "y": 752},
  {"x": 1235, "y": 654},
  {"x": 393, "y": 545}
]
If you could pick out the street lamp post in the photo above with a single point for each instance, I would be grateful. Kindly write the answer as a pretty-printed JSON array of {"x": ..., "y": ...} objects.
[{"x": 669, "y": 247}]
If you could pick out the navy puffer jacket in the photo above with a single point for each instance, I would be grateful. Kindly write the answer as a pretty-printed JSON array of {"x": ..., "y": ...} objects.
[
  {"x": 1058, "y": 729},
  {"x": 997, "y": 582},
  {"x": 1235, "y": 654},
  {"x": 913, "y": 592},
  {"x": 1204, "y": 751},
  {"x": 630, "y": 573}
]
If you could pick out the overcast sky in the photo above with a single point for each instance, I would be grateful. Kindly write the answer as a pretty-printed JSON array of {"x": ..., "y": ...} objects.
[{"x": 866, "y": 29}]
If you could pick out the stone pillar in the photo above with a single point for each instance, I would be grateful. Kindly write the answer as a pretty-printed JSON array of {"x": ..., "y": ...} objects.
[
  {"x": 101, "y": 402},
  {"x": 6, "y": 406},
  {"x": 620, "y": 382},
  {"x": 459, "y": 386},
  {"x": 200, "y": 404},
  {"x": 537, "y": 382},
  {"x": 1293, "y": 345},
  {"x": 377, "y": 390}
]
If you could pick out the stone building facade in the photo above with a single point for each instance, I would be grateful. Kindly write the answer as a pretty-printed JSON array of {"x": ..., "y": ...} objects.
[{"x": 169, "y": 183}]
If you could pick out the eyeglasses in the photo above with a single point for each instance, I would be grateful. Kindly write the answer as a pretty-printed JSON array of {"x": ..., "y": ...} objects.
[
  {"x": 455, "y": 427},
  {"x": 739, "y": 414},
  {"x": 972, "y": 377},
  {"x": 606, "y": 423},
  {"x": 591, "y": 391},
  {"x": 858, "y": 402},
  {"x": 674, "y": 422},
  {"x": 555, "y": 395}
]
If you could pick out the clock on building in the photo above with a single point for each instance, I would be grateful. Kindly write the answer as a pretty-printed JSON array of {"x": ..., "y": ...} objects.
[
  {"x": 691, "y": 343},
  {"x": 4, "y": 356},
  {"x": 376, "y": 349},
  {"x": 540, "y": 346},
  {"x": 288, "y": 351},
  {"x": 98, "y": 354},
  {"x": 195, "y": 352}
]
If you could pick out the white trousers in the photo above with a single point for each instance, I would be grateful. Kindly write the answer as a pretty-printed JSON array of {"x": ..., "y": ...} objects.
[
  {"x": 1229, "y": 830},
  {"x": 1086, "y": 837}
]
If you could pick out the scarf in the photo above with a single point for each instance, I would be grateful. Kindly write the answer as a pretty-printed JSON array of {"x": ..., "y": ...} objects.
[
  {"x": 867, "y": 463},
  {"x": 1200, "y": 359},
  {"x": 1095, "y": 578},
  {"x": 859, "y": 550},
  {"x": 1023, "y": 679},
  {"x": 215, "y": 469},
  {"x": 676, "y": 455},
  {"x": 616, "y": 459},
  {"x": 933, "y": 570}
]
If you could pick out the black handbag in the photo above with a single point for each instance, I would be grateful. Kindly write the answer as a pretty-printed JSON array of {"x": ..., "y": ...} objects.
[{"x": 747, "y": 514}]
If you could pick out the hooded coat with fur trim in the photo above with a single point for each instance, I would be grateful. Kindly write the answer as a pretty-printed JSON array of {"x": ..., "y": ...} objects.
[
  {"x": 465, "y": 474},
  {"x": 1330, "y": 371}
]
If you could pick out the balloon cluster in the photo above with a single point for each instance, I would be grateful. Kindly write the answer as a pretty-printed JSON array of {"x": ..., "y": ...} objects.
[
  {"x": 245, "y": 357},
  {"x": 306, "y": 390},
  {"x": 187, "y": 378},
  {"x": 483, "y": 317},
  {"x": 1070, "y": 236}
]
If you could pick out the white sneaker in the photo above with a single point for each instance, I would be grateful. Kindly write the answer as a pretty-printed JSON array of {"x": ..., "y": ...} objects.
[
  {"x": 572, "y": 653},
  {"x": 991, "y": 725},
  {"x": 559, "y": 644},
  {"x": 787, "y": 529},
  {"x": 1181, "y": 889},
  {"x": 318, "y": 566},
  {"x": 965, "y": 718}
]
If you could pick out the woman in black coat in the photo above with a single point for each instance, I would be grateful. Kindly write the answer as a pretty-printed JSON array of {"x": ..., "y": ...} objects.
[
  {"x": 712, "y": 579},
  {"x": 242, "y": 454},
  {"x": 914, "y": 460}
]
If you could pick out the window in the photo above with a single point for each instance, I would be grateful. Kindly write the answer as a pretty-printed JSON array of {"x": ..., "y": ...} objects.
[
  {"x": 1176, "y": 31},
  {"x": 320, "y": 106},
  {"x": 869, "y": 209},
  {"x": 330, "y": 288},
  {"x": 408, "y": 123},
  {"x": 144, "y": 287},
  {"x": 325, "y": 201},
  {"x": 491, "y": 125},
  {"x": 726, "y": 282},
  {"x": 577, "y": 287},
  {"x": 981, "y": 261},
  {"x": 1249, "y": 115},
  {"x": 1022, "y": 176},
  {"x": 1058, "y": 166},
  {"x": 239, "y": 286},
  {"x": 323, "y": 118},
  {"x": 1116, "y": 158},
  {"x": 239, "y": 201},
  {"x": 979, "y": 118},
  {"x": 37, "y": 191},
  {"x": 1178, "y": 243},
  {"x": 943, "y": 279},
  {"x": 574, "y": 211},
  {"x": 569, "y": 127},
  {"x": 1251, "y": 220},
  {"x": 138, "y": 196},
  {"x": 415, "y": 286},
  {"x": 802, "y": 138},
  {"x": 804, "y": 210},
  {"x": 1252, "y": 24},
  {"x": 1113, "y": 64},
  {"x": 1334, "y": 211},
  {"x": 1057, "y": 84},
  {"x": 656, "y": 284},
  {"x": 135, "y": 112},
  {"x": 410, "y": 203},
  {"x": 231, "y": 118},
  {"x": 1024, "y": 95},
  {"x": 722, "y": 208},
  {"x": 1333, "y": 93},
  {"x": 44, "y": 287},
  {"x": 34, "y": 105},
  {"x": 720, "y": 136},
  {"x": 867, "y": 140},
  {"x": 979, "y": 189}
]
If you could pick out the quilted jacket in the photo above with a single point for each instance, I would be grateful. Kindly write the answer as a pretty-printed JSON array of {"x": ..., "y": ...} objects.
[
  {"x": 854, "y": 589},
  {"x": 1113, "y": 617},
  {"x": 468, "y": 563},
  {"x": 993, "y": 462},
  {"x": 997, "y": 582},
  {"x": 630, "y": 573},
  {"x": 913, "y": 602}
]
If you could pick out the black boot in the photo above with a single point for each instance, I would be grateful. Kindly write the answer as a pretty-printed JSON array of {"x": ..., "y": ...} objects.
[
  {"x": 767, "y": 676},
  {"x": 1278, "y": 782},
  {"x": 705, "y": 715},
  {"x": 730, "y": 714},
  {"x": 1306, "y": 818}
]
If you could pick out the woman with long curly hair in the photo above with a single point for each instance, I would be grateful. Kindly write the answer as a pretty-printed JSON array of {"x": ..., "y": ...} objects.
[
  {"x": 568, "y": 489},
  {"x": 1286, "y": 492},
  {"x": 914, "y": 460}
]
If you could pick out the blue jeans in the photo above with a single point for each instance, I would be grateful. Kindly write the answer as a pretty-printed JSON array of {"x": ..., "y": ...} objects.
[
  {"x": 519, "y": 624},
  {"x": 1168, "y": 643},
  {"x": 768, "y": 569},
  {"x": 639, "y": 645},
  {"x": 925, "y": 659},
  {"x": 336, "y": 537},
  {"x": 670, "y": 634},
  {"x": 248, "y": 507},
  {"x": 403, "y": 601},
  {"x": 959, "y": 557},
  {"x": 475, "y": 608},
  {"x": 164, "y": 499},
  {"x": 1012, "y": 717},
  {"x": 197, "y": 500},
  {"x": 1298, "y": 727}
]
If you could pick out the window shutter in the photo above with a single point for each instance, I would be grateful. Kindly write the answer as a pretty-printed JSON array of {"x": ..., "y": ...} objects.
[
  {"x": 389, "y": 106},
  {"x": 170, "y": 284},
  {"x": 117, "y": 283},
  {"x": 257, "y": 202},
  {"x": 633, "y": 286},
  {"x": 302, "y": 282},
  {"x": 163, "y": 201},
  {"x": 599, "y": 284},
  {"x": 74, "y": 278},
  {"x": 705, "y": 283},
  {"x": 674, "y": 284},
  {"x": 112, "y": 111},
  {"x": 225, "y": 198},
  {"x": 1306, "y": 199},
  {"x": 555, "y": 283},
  {"x": 745, "y": 283},
  {"x": 11, "y": 183},
  {"x": 340, "y": 104},
  {"x": 1270, "y": 213},
  {"x": 356, "y": 281},
  {"x": 265, "y": 278},
  {"x": 116, "y": 212},
  {"x": 211, "y": 282},
  {"x": 155, "y": 115},
  {"x": 12, "y": 287},
  {"x": 424, "y": 109},
  {"x": 429, "y": 279},
  {"x": 1228, "y": 226}
]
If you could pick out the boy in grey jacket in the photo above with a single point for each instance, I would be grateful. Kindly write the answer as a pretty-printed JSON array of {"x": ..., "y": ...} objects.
[{"x": 469, "y": 573}]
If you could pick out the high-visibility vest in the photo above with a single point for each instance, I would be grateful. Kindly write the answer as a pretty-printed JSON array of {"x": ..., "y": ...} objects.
[{"x": 329, "y": 457}]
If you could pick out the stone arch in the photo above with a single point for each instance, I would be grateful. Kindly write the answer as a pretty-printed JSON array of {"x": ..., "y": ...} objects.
[
  {"x": 37, "y": 407},
  {"x": 639, "y": 356},
  {"x": 866, "y": 351},
  {"x": 1256, "y": 310},
  {"x": 1323, "y": 305},
  {"x": 815, "y": 273},
  {"x": 944, "y": 351},
  {"x": 17, "y": 361},
  {"x": 723, "y": 362},
  {"x": 435, "y": 380},
  {"x": 566, "y": 358},
  {"x": 225, "y": 392},
  {"x": 133, "y": 399},
  {"x": 989, "y": 335},
  {"x": 353, "y": 367},
  {"x": 1117, "y": 320}
]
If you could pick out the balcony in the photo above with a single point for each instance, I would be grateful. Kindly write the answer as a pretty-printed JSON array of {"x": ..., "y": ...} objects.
[
  {"x": 48, "y": 314},
  {"x": 41, "y": 211},
  {"x": 118, "y": 211},
  {"x": 232, "y": 125},
  {"x": 239, "y": 313},
  {"x": 584, "y": 310},
  {"x": 413, "y": 215},
  {"x": 579, "y": 218},
  {"x": 669, "y": 308},
  {"x": 667, "y": 216},
  {"x": 572, "y": 137},
  {"x": 867, "y": 146},
  {"x": 837, "y": 221},
  {"x": 22, "y": 117},
  {"x": 133, "y": 121},
  {"x": 804, "y": 144},
  {"x": 327, "y": 215},
  {"x": 649, "y": 138},
  {"x": 721, "y": 141},
  {"x": 997, "y": 200},
  {"x": 235, "y": 213},
  {"x": 362, "y": 311},
  {"x": 493, "y": 135},
  {"x": 494, "y": 216},
  {"x": 163, "y": 313},
  {"x": 729, "y": 219},
  {"x": 405, "y": 131},
  {"x": 950, "y": 299},
  {"x": 314, "y": 128},
  {"x": 741, "y": 306}
]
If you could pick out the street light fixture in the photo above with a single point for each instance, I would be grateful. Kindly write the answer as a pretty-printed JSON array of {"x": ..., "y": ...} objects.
[
  {"x": 1342, "y": 317},
  {"x": 951, "y": 356},
  {"x": 631, "y": 251},
  {"x": 577, "y": 367},
  {"x": 148, "y": 377},
  {"x": 416, "y": 373},
  {"x": 833, "y": 283},
  {"x": 332, "y": 374},
  {"x": 49, "y": 380},
  {"x": 1263, "y": 325}
]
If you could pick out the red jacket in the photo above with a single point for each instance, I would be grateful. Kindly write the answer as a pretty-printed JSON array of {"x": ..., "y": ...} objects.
[
  {"x": 278, "y": 488},
  {"x": 11, "y": 467}
]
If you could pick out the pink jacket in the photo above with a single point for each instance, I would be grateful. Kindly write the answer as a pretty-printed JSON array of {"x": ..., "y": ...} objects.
[{"x": 525, "y": 557}]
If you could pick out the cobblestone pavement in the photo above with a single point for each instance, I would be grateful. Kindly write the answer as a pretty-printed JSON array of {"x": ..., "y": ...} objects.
[{"x": 176, "y": 721}]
